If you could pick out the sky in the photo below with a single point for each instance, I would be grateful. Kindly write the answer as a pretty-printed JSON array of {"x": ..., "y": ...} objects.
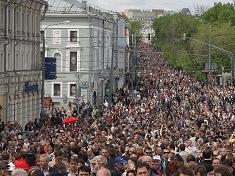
[{"x": 121, "y": 5}]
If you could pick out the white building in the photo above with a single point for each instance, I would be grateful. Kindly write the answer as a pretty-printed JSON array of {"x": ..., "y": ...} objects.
[
  {"x": 88, "y": 41},
  {"x": 20, "y": 59}
]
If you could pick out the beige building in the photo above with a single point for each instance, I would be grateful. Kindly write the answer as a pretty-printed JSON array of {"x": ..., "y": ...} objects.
[{"x": 20, "y": 59}]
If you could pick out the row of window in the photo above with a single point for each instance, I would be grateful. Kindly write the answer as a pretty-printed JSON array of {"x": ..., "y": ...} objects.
[
  {"x": 73, "y": 62},
  {"x": 57, "y": 90},
  {"x": 26, "y": 60},
  {"x": 56, "y": 39},
  {"x": 26, "y": 20}
]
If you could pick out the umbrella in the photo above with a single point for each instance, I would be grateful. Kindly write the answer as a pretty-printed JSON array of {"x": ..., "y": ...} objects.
[{"x": 70, "y": 120}]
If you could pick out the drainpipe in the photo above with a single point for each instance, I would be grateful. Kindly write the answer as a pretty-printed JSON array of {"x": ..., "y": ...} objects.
[{"x": 90, "y": 58}]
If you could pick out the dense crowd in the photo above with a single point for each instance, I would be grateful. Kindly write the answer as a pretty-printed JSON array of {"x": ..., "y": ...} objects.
[{"x": 170, "y": 125}]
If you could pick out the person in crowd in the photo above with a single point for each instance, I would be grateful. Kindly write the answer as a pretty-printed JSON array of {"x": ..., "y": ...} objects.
[
  {"x": 184, "y": 171},
  {"x": 84, "y": 171},
  {"x": 43, "y": 164},
  {"x": 103, "y": 172},
  {"x": 119, "y": 166},
  {"x": 4, "y": 169},
  {"x": 143, "y": 169},
  {"x": 156, "y": 166},
  {"x": 222, "y": 171},
  {"x": 35, "y": 171},
  {"x": 73, "y": 166},
  {"x": 200, "y": 170},
  {"x": 19, "y": 172},
  {"x": 216, "y": 163},
  {"x": 207, "y": 160},
  {"x": 21, "y": 162},
  {"x": 131, "y": 173}
]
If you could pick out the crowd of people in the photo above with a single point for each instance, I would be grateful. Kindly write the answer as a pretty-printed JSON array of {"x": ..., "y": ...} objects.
[{"x": 170, "y": 125}]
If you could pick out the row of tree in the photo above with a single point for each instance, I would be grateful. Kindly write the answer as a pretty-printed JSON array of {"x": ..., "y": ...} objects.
[{"x": 215, "y": 26}]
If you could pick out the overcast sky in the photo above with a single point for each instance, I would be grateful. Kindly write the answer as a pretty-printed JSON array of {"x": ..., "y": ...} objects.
[{"x": 121, "y": 5}]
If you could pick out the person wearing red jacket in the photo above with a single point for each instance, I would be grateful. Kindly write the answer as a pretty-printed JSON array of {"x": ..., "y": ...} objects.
[{"x": 21, "y": 162}]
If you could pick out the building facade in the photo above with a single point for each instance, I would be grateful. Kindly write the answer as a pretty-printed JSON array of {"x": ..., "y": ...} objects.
[
  {"x": 20, "y": 59},
  {"x": 147, "y": 17},
  {"x": 84, "y": 52}
]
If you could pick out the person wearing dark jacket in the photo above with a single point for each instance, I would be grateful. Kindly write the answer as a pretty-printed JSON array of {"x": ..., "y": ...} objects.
[
  {"x": 207, "y": 160},
  {"x": 118, "y": 168}
]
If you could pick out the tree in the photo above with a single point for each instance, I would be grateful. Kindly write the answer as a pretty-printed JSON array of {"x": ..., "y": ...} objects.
[
  {"x": 220, "y": 13},
  {"x": 169, "y": 31},
  {"x": 135, "y": 30},
  {"x": 192, "y": 56}
]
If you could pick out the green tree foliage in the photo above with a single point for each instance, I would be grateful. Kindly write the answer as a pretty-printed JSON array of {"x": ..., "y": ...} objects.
[
  {"x": 216, "y": 23},
  {"x": 134, "y": 29},
  {"x": 220, "y": 13},
  {"x": 169, "y": 31}
]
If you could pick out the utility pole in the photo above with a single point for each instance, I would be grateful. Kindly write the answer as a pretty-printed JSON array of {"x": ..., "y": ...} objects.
[
  {"x": 223, "y": 80},
  {"x": 209, "y": 58},
  {"x": 43, "y": 74},
  {"x": 135, "y": 60},
  {"x": 233, "y": 68}
]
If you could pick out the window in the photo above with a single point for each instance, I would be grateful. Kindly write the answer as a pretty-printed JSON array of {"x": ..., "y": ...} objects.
[
  {"x": 72, "y": 90},
  {"x": 56, "y": 90},
  {"x": 23, "y": 22},
  {"x": 17, "y": 63},
  {"x": 9, "y": 19},
  {"x": 17, "y": 17},
  {"x": 2, "y": 63},
  {"x": 28, "y": 24},
  {"x": 56, "y": 37},
  {"x": 73, "y": 36},
  {"x": 42, "y": 36},
  {"x": 2, "y": 17},
  {"x": 73, "y": 61}
]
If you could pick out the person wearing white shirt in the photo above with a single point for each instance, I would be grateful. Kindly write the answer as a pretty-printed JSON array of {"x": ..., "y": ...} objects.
[{"x": 191, "y": 149}]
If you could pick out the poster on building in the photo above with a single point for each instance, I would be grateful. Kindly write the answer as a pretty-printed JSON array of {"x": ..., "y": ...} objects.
[
  {"x": 73, "y": 90},
  {"x": 73, "y": 61},
  {"x": 47, "y": 102}
]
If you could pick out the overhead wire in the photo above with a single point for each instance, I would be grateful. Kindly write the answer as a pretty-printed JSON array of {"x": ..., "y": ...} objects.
[{"x": 110, "y": 37}]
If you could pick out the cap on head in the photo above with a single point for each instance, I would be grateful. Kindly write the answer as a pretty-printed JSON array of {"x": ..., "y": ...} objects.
[
  {"x": 157, "y": 157},
  {"x": 120, "y": 160}
]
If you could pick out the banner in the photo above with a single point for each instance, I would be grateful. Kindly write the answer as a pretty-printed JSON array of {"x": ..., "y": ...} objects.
[{"x": 50, "y": 68}]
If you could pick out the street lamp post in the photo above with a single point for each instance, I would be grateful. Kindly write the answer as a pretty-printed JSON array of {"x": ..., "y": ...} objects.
[{"x": 43, "y": 65}]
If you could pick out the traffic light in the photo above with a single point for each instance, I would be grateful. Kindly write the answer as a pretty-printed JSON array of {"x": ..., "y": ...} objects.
[
  {"x": 149, "y": 36},
  {"x": 186, "y": 36}
]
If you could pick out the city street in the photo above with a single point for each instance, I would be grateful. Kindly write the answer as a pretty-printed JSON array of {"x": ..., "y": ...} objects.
[{"x": 138, "y": 93}]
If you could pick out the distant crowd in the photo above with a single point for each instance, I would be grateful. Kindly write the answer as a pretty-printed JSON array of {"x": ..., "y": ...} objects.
[{"x": 170, "y": 125}]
